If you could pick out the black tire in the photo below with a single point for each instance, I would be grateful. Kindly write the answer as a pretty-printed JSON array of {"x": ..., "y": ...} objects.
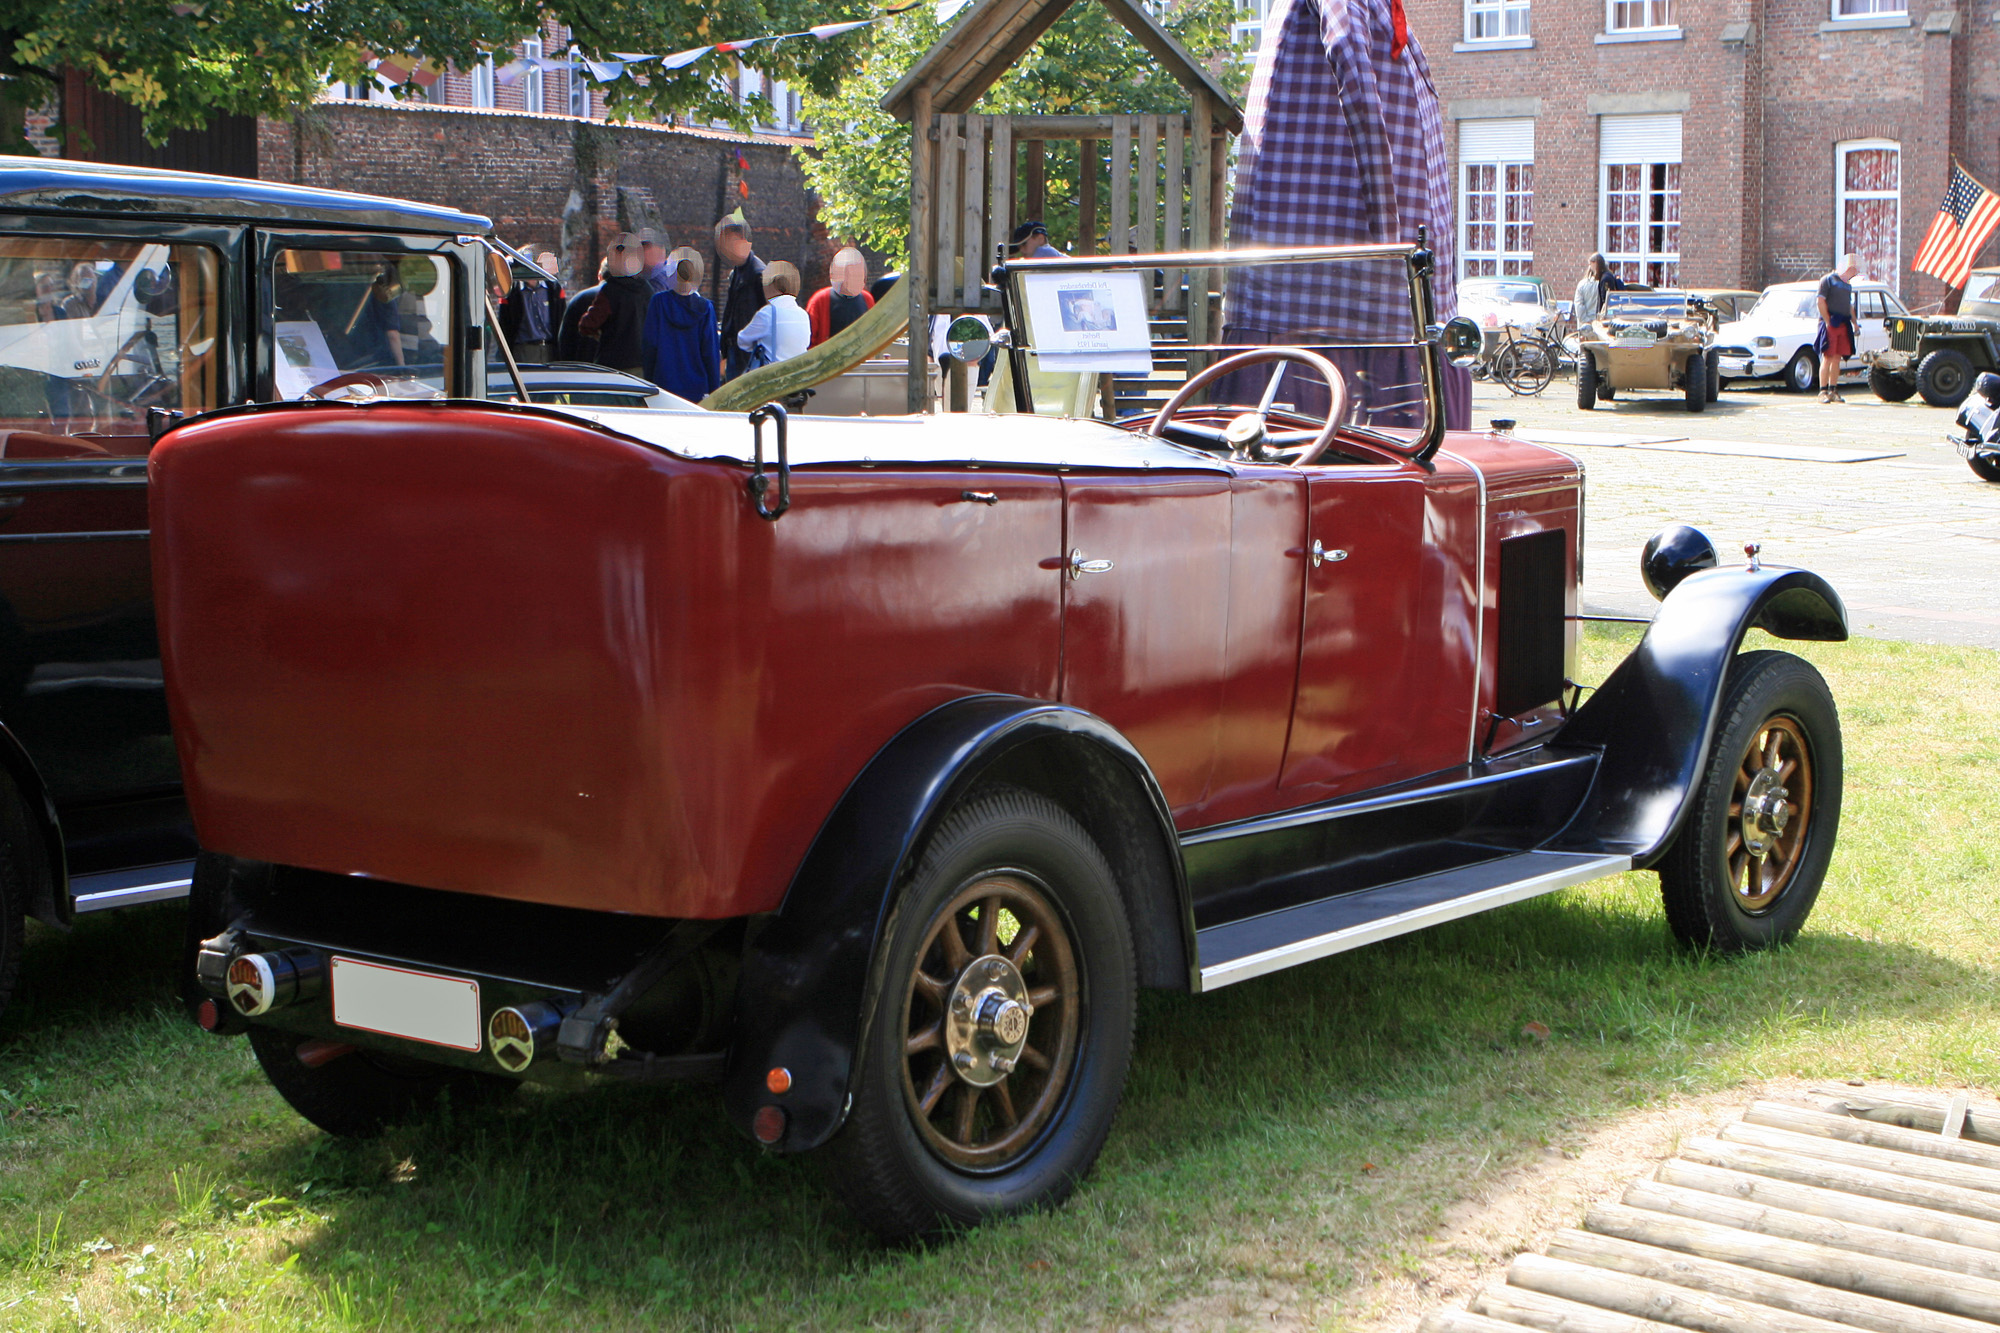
[
  {"x": 362, "y": 1093},
  {"x": 24, "y": 880},
  {"x": 1801, "y": 373},
  {"x": 901, "y": 1172},
  {"x": 1944, "y": 377},
  {"x": 1695, "y": 383},
  {"x": 1586, "y": 380},
  {"x": 1714, "y": 374},
  {"x": 1891, "y": 387},
  {"x": 1525, "y": 366},
  {"x": 1769, "y": 699},
  {"x": 1984, "y": 466}
]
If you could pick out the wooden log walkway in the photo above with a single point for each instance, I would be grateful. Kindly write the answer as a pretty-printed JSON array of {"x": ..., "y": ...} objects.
[{"x": 1838, "y": 1212}]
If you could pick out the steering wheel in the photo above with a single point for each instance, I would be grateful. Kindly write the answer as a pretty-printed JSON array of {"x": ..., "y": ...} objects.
[
  {"x": 1249, "y": 437},
  {"x": 375, "y": 385},
  {"x": 107, "y": 407}
]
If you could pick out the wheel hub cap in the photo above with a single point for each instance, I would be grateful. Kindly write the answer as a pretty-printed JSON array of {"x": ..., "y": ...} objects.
[
  {"x": 986, "y": 1020},
  {"x": 1766, "y": 811}
]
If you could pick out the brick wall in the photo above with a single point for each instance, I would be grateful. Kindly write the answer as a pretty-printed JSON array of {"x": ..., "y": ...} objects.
[
  {"x": 1766, "y": 90},
  {"x": 553, "y": 182}
]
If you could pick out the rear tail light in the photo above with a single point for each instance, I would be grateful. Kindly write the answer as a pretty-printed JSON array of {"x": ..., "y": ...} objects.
[
  {"x": 520, "y": 1033},
  {"x": 257, "y": 983}
]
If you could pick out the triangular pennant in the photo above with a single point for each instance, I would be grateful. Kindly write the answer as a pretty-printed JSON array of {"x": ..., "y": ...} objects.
[
  {"x": 682, "y": 59},
  {"x": 827, "y": 31},
  {"x": 605, "y": 71}
]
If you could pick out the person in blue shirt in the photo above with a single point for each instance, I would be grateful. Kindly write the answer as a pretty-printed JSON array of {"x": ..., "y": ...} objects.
[{"x": 682, "y": 353}]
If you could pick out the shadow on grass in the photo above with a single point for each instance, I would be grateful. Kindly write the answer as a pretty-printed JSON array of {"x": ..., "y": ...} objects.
[
  {"x": 647, "y": 1204},
  {"x": 100, "y": 970}
]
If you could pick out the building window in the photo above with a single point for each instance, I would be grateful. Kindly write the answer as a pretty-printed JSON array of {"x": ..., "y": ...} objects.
[
  {"x": 531, "y": 77},
  {"x": 1868, "y": 176},
  {"x": 1496, "y": 178},
  {"x": 579, "y": 88},
  {"x": 1865, "y": 9},
  {"x": 1492, "y": 20},
  {"x": 1248, "y": 29},
  {"x": 1639, "y": 197},
  {"x": 482, "y": 83},
  {"x": 1639, "y": 15}
]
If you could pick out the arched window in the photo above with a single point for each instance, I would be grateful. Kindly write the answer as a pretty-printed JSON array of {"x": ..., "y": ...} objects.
[{"x": 1868, "y": 206}]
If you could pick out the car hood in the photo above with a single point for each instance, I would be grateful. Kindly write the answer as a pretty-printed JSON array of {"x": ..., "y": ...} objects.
[{"x": 1743, "y": 330}]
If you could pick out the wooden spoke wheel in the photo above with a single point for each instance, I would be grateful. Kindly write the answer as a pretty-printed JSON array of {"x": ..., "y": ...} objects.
[
  {"x": 1001, "y": 1030},
  {"x": 990, "y": 1023},
  {"x": 1746, "y": 867}
]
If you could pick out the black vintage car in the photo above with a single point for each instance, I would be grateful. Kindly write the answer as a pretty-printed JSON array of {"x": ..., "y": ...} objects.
[{"x": 129, "y": 298}]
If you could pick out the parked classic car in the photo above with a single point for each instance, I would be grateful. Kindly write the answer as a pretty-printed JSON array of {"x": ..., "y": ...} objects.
[
  {"x": 872, "y": 766},
  {"x": 581, "y": 384},
  {"x": 128, "y": 296},
  {"x": 1729, "y": 303},
  {"x": 1648, "y": 340},
  {"x": 1775, "y": 340},
  {"x": 1938, "y": 356}
]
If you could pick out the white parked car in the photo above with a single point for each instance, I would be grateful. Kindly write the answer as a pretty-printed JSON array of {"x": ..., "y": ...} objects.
[{"x": 1776, "y": 338}]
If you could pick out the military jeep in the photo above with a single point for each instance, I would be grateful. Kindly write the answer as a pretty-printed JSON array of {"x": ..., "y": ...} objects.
[
  {"x": 1649, "y": 340},
  {"x": 1939, "y": 356}
]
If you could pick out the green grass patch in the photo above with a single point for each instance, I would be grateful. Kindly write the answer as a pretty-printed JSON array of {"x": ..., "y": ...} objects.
[{"x": 1305, "y": 1131}]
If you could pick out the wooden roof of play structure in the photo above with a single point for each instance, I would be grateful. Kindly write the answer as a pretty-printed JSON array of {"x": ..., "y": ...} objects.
[{"x": 992, "y": 34}]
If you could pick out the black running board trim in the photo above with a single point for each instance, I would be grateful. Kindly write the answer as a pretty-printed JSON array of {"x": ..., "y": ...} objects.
[{"x": 1240, "y": 950}]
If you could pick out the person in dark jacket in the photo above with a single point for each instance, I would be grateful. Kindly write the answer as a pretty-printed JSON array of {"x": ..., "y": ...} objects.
[
  {"x": 746, "y": 288},
  {"x": 681, "y": 353},
  {"x": 571, "y": 344},
  {"x": 618, "y": 315},
  {"x": 528, "y": 315}
]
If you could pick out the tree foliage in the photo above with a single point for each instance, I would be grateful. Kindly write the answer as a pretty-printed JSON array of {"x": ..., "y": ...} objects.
[
  {"x": 1086, "y": 64},
  {"x": 183, "y": 61}
]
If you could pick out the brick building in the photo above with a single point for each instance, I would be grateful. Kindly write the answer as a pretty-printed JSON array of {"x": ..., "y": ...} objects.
[{"x": 1709, "y": 142}]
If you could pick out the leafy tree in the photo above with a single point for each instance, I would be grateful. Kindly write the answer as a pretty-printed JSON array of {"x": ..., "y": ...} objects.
[
  {"x": 1086, "y": 64},
  {"x": 180, "y": 62}
]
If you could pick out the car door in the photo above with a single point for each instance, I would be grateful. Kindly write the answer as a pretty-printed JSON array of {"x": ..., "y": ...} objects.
[{"x": 99, "y": 323}]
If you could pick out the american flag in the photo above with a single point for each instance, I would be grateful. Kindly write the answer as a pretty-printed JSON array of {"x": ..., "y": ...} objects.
[{"x": 1968, "y": 217}]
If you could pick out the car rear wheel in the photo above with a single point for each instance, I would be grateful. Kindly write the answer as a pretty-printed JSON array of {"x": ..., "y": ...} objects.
[
  {"x": 1802, "y": 371},
  {"x": 1891, "y": 387},
  {"x": 357, "y": 1094},
  {"x": 1694, "y": 381},
  {"x": 1714, "y": 375},
  {"x": 24, "y": 871},
  {"x": 1944, "y": 377},
  {"x": 1984, "y": 466},
  {"x": 1586, "y": 380},
  {"x": 1002, "y": 1028},
  {"x": 1747, "y": 865}
]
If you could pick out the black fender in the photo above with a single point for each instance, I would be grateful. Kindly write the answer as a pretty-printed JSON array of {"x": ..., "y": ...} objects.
[
  {"x": 808, "y": 974},
  {"x": 1654, "y": 718},
  {"x": 48, "y": 901}
]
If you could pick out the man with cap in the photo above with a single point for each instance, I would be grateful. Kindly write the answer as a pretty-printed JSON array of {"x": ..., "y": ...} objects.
[
  {"x": 1031, "y": 241},
  {"x": 653, "y": 255}
]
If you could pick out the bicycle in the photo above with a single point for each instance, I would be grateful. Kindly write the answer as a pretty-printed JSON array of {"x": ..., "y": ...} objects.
[{"x": 1524, "y": 362}]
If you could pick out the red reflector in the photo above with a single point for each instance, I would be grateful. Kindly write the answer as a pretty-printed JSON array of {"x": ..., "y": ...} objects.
[
  {"x": 779, "y": 1081},
  {"x": 768, "y": 1124},
  {"x": 207, "y": 1015},
  {"x": 313, "y": 1054}
]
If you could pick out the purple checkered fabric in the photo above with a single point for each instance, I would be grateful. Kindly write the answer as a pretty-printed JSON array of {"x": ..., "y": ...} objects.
[{"x": 1343, "y": 145}]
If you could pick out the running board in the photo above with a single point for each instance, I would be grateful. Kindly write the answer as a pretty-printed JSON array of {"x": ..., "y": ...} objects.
[
  {"x": 1239, "y": 950},
  {"x": 130, "y": 887}
]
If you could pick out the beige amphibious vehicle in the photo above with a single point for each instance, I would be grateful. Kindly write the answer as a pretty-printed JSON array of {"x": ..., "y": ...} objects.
[{"x": 1649, "y": 340}]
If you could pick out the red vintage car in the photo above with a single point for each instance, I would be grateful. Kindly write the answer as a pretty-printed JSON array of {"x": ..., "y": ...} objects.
[{"x": 870, "y": 767}]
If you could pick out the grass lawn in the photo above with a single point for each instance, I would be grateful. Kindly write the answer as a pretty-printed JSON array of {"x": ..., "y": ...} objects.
[{"x": 1303, "y": 1132}]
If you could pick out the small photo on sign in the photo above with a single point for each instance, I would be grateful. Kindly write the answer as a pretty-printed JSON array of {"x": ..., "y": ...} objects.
[{"x": 1084, "y": 311}]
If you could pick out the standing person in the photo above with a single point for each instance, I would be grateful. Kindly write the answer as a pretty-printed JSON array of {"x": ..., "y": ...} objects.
[
  {"x": 779, "y": 330},
  {"x": 658, "y": 273},
  {"x": 549, "y": 263},
  {"x": 1031, "y": 241},
  {"x": 681, "y": 351},
  {"x": 571, "y": 344},
  {"x": 1835, "y": 340},
  {"x": 746, "y": 289},
  {"x": 528, "y": 316},
  {"x": 376, "y": 331},
  {"x": 618, "y": 313},
  {"x": 1597, "y": 280},
  {"x": 831, "y": 309}
]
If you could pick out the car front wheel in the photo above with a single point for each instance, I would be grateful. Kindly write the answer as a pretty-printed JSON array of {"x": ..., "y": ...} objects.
[
  {"x": 1695, "y": 383},
  {"x": 1002, "y": 1027},
  {"x": 1586, "y": 381},
  {"x": 1802, "y": 371},
  {"x": 1891, "y": 387},
  {"x": 1748, "y": 862},
  {"x": 1944, "y": 377},
  {"x": 357, "y": 1094}
]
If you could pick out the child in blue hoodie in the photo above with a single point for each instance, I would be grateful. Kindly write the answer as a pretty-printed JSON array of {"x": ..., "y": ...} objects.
[{"x": 682, "y": 354}]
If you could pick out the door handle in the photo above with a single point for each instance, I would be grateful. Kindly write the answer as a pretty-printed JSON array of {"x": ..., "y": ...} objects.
[
  {"x": 1321, "y": 553},
  {"x": 1078, "y": 566}
]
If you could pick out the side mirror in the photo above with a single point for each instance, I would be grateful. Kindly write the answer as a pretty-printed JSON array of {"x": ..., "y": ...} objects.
[
  {"x": 1461, "y": 341},
  {"x": 968, "y": 339}
]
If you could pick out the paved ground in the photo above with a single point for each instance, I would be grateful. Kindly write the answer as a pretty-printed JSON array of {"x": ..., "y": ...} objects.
[{"x": 1868, "y": 494}]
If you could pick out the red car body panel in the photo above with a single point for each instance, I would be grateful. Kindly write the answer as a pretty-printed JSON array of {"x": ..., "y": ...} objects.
[{"x": 508, "y": 654}]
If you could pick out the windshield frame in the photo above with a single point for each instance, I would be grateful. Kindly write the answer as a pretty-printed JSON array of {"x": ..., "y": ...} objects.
[{"x": 1419, "y": 265}]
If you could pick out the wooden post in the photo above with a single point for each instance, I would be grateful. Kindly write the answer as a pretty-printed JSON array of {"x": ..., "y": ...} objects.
[
  {"x": 1003, "y": 181},
  {"x": 1176, "y": 205},
  {"x": 958, "y": 392},
  {"x": 1821, "y": 1174},
  {"x": 950, "y": 163},
  {"x": 1982, "y": 1179},
  {"x": 1800, "y": 1120},
  {"x": 977, "y": 257},
  {"x": 1147, "y": 199},
  {"x": 1518, "y": 1307},
  {"x": 921, "y": 157},
  {"x": 1904, "y": 1219},
  {"x": 1034, "y": 188},
  {"x": 1086, "y": 206},
  {"x": 1202, "y": 178},
  {"x": 1119, "y": 234}
]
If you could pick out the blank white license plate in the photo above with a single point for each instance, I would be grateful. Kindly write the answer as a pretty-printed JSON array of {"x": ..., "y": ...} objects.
[{"x": 397, "y": 1002}]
